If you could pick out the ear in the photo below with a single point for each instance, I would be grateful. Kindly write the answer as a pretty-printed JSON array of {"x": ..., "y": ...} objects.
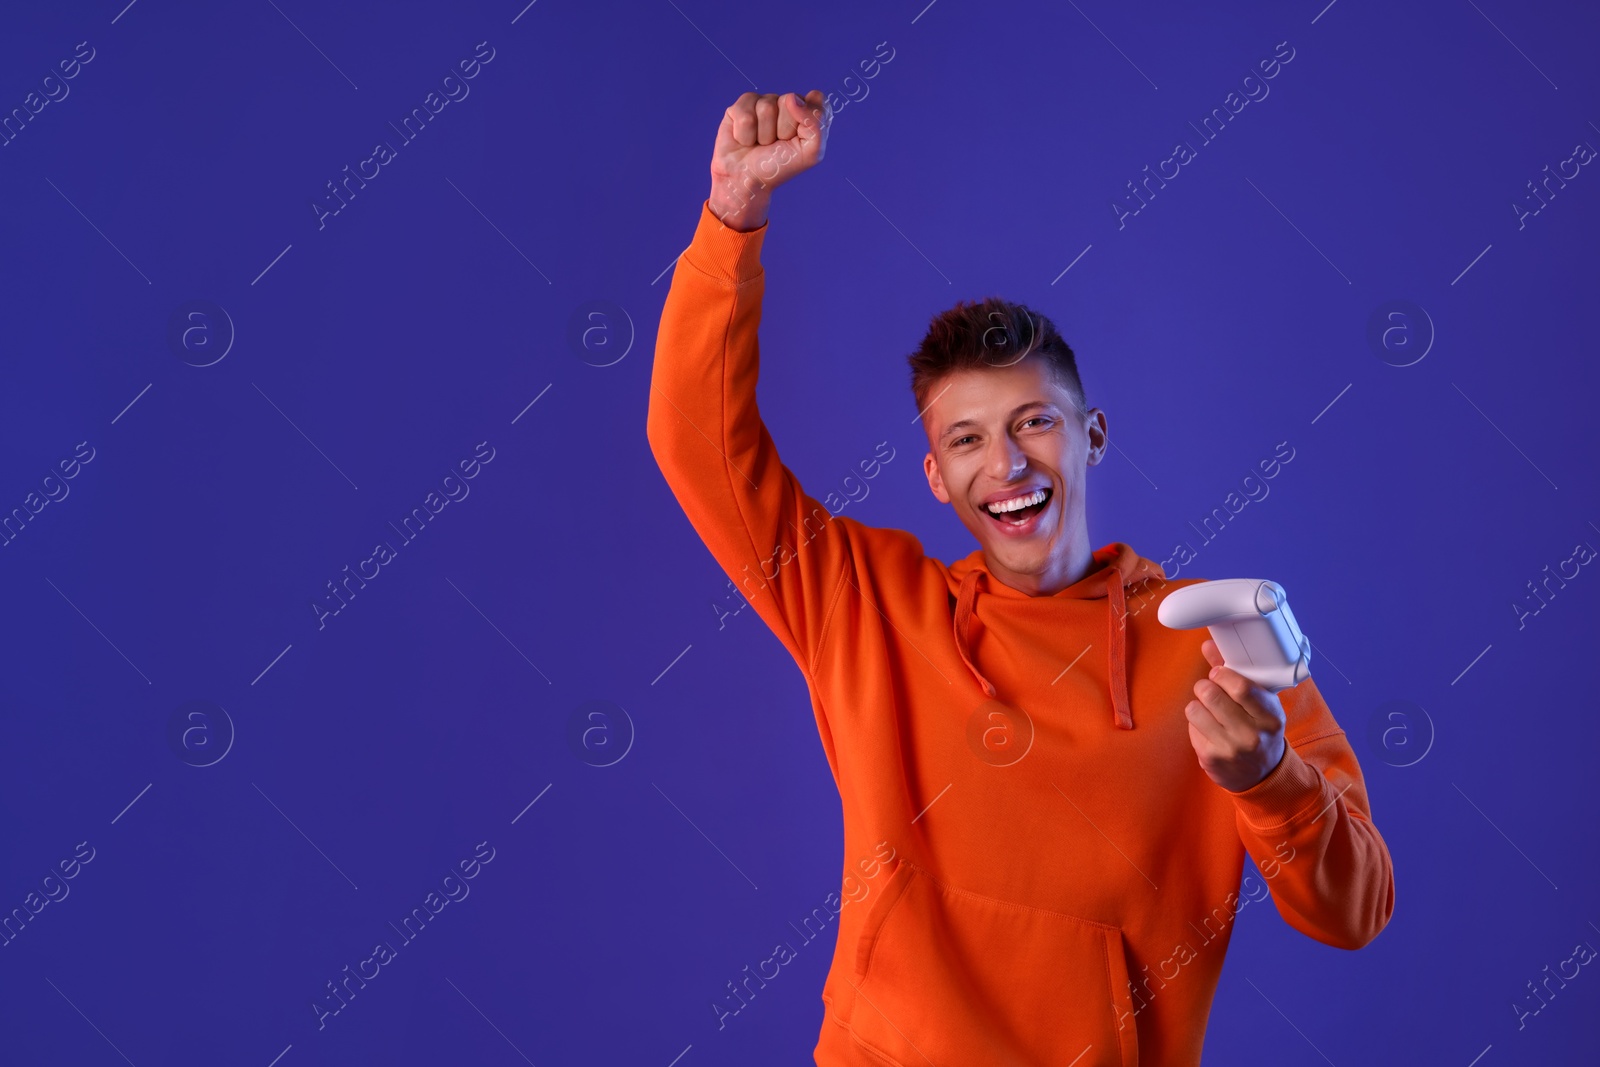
[
  {"x": 935, "y": 479},
  {"x": 1095, "y": 427}
]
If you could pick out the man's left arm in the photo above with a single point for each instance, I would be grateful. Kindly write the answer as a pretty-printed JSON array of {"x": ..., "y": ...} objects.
[{"x": 1308, "y": 825}]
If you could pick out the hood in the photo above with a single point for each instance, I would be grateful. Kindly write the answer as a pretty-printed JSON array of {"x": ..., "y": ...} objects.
[{"x": 1114, "y": 567}]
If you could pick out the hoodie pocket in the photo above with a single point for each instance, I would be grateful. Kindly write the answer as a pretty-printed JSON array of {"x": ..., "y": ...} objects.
[{"x": 950, "y": 977}]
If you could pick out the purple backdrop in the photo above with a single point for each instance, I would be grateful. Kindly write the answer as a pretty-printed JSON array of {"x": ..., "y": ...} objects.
[{"x": 224, "y": 385}]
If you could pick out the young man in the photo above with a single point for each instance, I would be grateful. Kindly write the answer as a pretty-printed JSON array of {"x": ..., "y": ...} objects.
[{"x": 1067, "y": 788}]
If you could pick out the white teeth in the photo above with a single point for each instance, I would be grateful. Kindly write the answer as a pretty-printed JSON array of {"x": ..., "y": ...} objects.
[{"x": 1016, "y": 503}]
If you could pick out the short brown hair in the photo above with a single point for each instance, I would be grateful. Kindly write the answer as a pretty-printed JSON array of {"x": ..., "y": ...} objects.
[{"x": 991, "y": 332}]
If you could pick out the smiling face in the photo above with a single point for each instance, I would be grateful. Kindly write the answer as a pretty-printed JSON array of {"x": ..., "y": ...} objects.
[{"x": 1008, "y": 442}]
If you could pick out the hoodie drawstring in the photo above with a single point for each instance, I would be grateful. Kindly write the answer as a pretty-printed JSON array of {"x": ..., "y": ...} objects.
[
  {"x": 964, "y": 603},
  {"x": 1117, "y": 665},
  {"x": 1116, "y": 639}
]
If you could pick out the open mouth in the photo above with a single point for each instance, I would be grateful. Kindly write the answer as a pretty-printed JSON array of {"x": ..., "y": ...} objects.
[{"x": 1019, "y": 512}]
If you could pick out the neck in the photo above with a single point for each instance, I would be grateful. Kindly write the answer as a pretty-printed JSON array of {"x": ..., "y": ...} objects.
[{"x": 1066, "y": 564}]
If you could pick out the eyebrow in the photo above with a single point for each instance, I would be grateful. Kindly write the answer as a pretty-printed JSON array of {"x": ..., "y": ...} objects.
[{"x": 1018, "y": 410}]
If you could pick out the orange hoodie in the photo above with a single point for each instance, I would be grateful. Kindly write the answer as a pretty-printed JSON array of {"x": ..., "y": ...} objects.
[{"x": 1064, "y": 875}]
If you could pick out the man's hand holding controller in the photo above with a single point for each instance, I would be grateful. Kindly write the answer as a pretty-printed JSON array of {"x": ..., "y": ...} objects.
[
  {"x": 764, "y": 140},
  {"x": 1236, "y": 721}
]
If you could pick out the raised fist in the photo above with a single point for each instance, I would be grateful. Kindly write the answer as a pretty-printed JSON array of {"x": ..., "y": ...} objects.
[{"x": 764, "y": 140}]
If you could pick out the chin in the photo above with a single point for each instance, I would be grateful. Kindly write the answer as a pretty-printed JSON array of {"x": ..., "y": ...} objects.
[{"x": 1023, "y": 560}]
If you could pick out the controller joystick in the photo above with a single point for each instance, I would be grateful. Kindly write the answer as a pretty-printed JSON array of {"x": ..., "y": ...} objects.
[{"x": 1250, "y": 620}]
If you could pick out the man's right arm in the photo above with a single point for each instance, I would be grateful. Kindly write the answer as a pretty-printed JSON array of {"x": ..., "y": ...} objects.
[{"x": 778, "y": 544}]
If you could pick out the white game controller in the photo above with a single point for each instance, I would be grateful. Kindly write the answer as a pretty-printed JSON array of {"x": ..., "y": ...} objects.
[{"x": 1250, "y": 621}]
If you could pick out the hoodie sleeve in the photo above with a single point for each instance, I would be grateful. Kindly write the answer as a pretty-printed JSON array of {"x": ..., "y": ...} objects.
[
  {"x": 1309, "y": 828},
  {"x": 775, "y": 542}
]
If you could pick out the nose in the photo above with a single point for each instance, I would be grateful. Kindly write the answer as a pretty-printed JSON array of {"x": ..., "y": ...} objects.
[{"x": 1005, "y": 459}]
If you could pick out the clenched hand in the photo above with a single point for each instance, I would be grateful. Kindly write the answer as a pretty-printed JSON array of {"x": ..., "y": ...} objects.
[
  {"x": 1236, "y": 726},
  {"x": 764, "y": 140}
]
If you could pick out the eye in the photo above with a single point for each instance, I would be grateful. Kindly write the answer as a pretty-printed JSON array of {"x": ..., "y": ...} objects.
[
  {"x": 1037, "y": 418},
  {"x": 957, "y": 442}
]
